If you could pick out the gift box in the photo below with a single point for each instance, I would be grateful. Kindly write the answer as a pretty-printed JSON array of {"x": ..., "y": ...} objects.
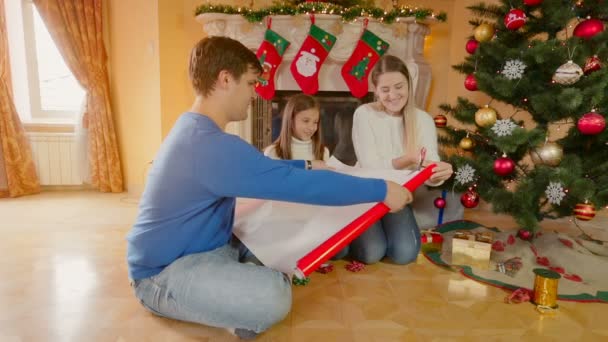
[
  {"x": 472, "y": 248},
  {"x": 430, "y": 241}
]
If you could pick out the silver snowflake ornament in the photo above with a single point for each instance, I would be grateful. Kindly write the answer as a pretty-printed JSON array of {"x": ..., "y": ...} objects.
[
  {"x": 514, "y": 69},
  {"x": 503, "y": 127},
  {"x": 555, "y": 192},
  {"x": 465, "y": 174}
]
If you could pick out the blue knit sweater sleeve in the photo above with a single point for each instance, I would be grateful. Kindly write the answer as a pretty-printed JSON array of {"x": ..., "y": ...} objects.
[{"x": 229, "y": 167}]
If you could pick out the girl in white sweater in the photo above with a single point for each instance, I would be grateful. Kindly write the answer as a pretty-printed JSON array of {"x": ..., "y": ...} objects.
[
  {"x": 389, "y": 134},
  {"x": 300, "y": 136}
]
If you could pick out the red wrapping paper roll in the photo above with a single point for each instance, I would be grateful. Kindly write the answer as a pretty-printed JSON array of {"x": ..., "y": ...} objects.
[{"x": 311, "y": 261}]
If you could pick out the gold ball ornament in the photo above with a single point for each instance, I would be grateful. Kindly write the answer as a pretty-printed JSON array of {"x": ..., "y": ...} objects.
[
  {"x": 568, "y": 73},
  {"x": 584, "y": 211},
  {"x": 484, "y": 32},
  {"x": 466, "y": 144},
  {"x": 549, "y": 154},
  {"x": 485, "y": 116}
]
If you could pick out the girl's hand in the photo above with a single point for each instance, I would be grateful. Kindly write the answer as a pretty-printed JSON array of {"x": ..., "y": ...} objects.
[
  {"x": 320, "y": 165},
  {"x": 443, "y": 171}
]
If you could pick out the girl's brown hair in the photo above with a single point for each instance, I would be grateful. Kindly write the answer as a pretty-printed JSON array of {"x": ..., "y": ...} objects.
[
  {"x": 295, "y": 105},
  {"x": 389, "y": 63}
]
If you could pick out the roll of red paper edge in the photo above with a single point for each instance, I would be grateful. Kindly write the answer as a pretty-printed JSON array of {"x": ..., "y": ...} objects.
[{"x": 311, "y": 261}]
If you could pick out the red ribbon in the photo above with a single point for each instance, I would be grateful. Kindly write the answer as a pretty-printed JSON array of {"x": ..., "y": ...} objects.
[{"x": 311, "y": 261}]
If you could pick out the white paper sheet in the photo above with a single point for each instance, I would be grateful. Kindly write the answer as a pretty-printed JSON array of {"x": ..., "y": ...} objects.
[{"x": 280, "y": 233}]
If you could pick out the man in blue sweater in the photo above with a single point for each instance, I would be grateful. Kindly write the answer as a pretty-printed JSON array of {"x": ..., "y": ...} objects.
[{"x": 182, "y": 263}]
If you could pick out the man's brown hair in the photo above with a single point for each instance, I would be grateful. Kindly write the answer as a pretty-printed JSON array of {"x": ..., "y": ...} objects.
[{"x": 214, "y": 54}]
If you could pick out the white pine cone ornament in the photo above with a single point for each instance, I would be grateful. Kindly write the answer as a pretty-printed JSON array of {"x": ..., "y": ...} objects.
[{"x": 568, "y": 73}]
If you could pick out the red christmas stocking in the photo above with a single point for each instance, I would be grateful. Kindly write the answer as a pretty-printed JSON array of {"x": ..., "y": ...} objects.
[
  {"x": 307, "y": 63},
  {"x": 356, "y": 70},
  {"x": 270, "y": 55}
]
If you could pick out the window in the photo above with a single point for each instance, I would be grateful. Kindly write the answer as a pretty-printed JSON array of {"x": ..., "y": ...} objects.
[{"x": 45, "y": 89}]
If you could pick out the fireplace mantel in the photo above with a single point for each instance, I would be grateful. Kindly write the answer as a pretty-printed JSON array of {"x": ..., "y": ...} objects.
[{"x": 406, "y": 38}]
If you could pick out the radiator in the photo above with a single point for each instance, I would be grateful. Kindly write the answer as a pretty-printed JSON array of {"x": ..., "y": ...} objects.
[{"x": 56, "y": 158}]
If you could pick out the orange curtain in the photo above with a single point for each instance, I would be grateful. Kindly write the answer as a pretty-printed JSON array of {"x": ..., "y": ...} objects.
[
  {"x": 76, "y": 28},
  {"x": 17, "y": 171}
]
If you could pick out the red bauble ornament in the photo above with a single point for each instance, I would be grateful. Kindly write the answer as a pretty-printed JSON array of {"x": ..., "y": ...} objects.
[
  {"x": 440, "y": 120},
  {"x": 439, "y": 203},
  {"x": 592, "y": 64},
  {"x": 515, "y": 19},
  {"x": 588, "y": 28},
  {"x": 504, "y": 166},
  {"x": 591, "y": 123},
  {"x": 584, "y": 211},
  {"x": 525, "y": 235},
  {"x": 470, "y": 199},
  {"x": 532, "y": 2},
  {"x": 470, "y": 82},
  {"x": 472, "y": 46}
]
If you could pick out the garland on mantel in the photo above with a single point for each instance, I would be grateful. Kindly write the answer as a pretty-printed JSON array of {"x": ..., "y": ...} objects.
[{"x": 347, "y": 14}]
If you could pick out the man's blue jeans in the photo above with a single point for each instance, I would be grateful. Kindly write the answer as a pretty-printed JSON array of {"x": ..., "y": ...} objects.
[{"x": 215, "y": 289}]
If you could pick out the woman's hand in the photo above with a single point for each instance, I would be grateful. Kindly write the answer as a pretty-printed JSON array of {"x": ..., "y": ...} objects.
[
  {"x": 320, "y": 165},
  {"x": 406, "y": 162},
  {"x": 442, "y": 172}
]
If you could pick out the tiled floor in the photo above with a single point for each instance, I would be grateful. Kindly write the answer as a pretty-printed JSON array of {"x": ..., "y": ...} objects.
[{"x": 63, "y": 278}]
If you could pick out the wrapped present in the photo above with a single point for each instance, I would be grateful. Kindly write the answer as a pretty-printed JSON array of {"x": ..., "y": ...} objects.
[
  {"x": 472, "y": 248},
  {"x": 430, "y": 241}
]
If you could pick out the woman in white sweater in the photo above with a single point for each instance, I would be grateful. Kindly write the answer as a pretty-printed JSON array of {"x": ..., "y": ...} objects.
[
  {"x": 389, "y": 134},
  {"x": 300, "y": 136}
]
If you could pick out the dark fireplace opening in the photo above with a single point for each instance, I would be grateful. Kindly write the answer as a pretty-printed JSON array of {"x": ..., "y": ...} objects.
[{"x": 337, "y": 109}]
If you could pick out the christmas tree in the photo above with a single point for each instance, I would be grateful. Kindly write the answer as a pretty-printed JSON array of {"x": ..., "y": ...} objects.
[{"x": 547, "y": 155}]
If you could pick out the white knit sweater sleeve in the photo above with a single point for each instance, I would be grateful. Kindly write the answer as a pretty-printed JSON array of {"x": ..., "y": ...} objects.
[
  {"x": 271, "y": 152},
  {"x": 427, "y": 135},
  {"x": 365, "y": 143}
]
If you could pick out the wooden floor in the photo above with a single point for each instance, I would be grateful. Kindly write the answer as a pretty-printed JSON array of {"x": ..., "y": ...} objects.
[{"x": 63, "y": 277}]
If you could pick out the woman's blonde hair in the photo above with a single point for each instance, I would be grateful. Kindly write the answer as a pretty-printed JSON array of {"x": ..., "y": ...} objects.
[
  {"x": 389, "y": 63},
  {"x": 296, "y": 104}
]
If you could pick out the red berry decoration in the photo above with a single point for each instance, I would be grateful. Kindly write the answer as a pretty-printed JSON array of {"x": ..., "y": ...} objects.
[
  {"x": 515, "y": 19},
  {"x": 524, "y": 234},
  {"x": 588, "y": 28},
  {"x": 439, "y": 202},
  {"x": 440, "y": 120},
  {"x": 470, "y": 82},
  {"x": 584, "y": 211},
  {"x": 591, "y": 123},
  {"x": 592, "y": 64},
  {"x": 472, "y": 46},
  {"x": 504, "y": 166},
  {"x": 470, "y": 199},
  {"x": 532, "y": 2}
]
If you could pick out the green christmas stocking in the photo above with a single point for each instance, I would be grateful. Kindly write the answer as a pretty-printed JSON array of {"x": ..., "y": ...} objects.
[
  {"x": 307, "y": 63},
  {"x": 270, "y": 55},
  {"x": 356, "y": 70}
]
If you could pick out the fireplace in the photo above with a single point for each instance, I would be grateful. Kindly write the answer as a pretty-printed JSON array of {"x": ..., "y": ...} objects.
[
  {"x": 337, "y": 109},
  {"x": 405, "y": 37}
]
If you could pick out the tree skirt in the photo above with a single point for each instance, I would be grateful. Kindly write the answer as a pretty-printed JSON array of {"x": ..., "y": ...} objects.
[{"x": 582, "y": 264}]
